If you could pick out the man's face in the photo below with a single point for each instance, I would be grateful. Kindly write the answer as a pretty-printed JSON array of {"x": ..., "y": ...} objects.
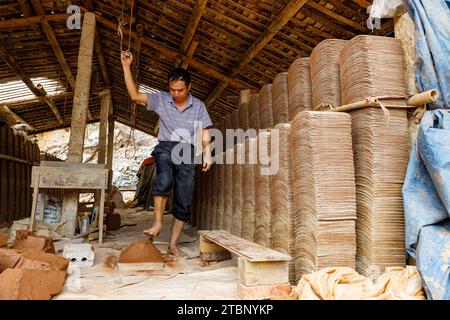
[{"x": 179, "y": 90}]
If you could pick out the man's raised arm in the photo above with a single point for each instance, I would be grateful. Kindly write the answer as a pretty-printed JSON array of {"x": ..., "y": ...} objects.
[{"x": 127, "y": 58}]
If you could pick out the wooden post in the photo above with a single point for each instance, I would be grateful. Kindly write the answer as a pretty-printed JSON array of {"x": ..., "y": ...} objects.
[
  {"x": 104, "y": 114},
  {"x": 110, "y": 152},
  {"x": 79, "y": 112},
  {"x": 404, "y": 31}
]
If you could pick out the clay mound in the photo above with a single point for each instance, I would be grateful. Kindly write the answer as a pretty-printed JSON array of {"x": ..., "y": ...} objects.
[{"x": 140, "y": 252}]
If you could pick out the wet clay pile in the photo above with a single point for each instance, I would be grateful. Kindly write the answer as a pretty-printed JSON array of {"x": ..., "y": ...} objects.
[
  {"x": 141, "y": 252},
  {"x": 30, "y": 270}
]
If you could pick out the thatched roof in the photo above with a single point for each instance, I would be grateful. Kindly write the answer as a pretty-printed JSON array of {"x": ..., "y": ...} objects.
[{"x": 230, "y": 45}]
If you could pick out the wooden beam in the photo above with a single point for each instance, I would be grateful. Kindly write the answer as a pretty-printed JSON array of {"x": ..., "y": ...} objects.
[
  {"x": 11, "y": 118},
  {"x": 104, "y": 115},
  {"x": 194, "y": 20},
  {"x": 168, "y": 52},
  {"x": 280, "y": 21},
  {"x": 337, "y": 17},
  {"x": 99, "y": 49},
  {"x": 37, "y": 6},
  {"x": 25, "y": 22},
  {"x": 79, "y": 110},
  {"x": 362, "y": 3},
  {"x": 37, "y": 91},
  {"x": 190, "y": 52},
  {"x": 186, "y": 45},
  {"x": 25, "y": 8}
]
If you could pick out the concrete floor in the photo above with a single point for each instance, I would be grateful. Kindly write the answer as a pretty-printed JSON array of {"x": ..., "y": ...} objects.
[{"x": 179, "y": 280}]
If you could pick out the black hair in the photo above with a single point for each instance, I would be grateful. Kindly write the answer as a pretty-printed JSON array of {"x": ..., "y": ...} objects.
[{"x": 180, "y": 74}]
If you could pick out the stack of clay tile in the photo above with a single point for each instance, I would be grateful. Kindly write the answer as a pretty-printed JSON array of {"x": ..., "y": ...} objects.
[
  {"x": 281, "y": 196},
  {"x": 299, "y": 85},
  {"x": 209, "y": 186},
  {"x": 237, "y": 189},
  {"x": 253, "y": 112},
  {"x": 325, "y": 80},
  {"x": 262, "y": 191},
  {"x": 248, "y": 192},
  {"x": 280, "y": 99},
  {"x": 213, "y": 196},
  {"x": 373, "y": 66},
  {"x": 324, "y": 191},
  {"x": 243, "y": 116},
  {"x": 220, "y": 200},
  {"x": 228, "y": 191},
  {"x": 235, "y": 119},
  {"x": 265, "y": 107}
]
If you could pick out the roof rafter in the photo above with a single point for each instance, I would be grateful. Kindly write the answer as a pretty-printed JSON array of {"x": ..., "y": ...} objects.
[
  {"x": 37, "y": 6},
  {"x": 288, "y": 12},
  {"x": 37, "y": 91}
]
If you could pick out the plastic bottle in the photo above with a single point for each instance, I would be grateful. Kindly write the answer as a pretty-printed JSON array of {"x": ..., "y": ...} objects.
[{"x": 85, "y": 223}]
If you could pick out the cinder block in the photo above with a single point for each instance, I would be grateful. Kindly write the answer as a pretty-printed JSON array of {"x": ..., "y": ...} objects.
[
  {"x": 8, "y": 258},
  {"x": 264, "y": 292},
  {"x": 34, "y": 243},
  {"x": 80, "y": 255},
  {"x": 25, "y": 284},
  {"x": 38, "y": 260}
]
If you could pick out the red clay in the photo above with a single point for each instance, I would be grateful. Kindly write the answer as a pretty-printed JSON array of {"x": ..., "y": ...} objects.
[
  {"x": 8, "y": 258},
  {"x": 24, "y": 284},
  {"x": 34, "y": 242},
  {"x": 140, "y": 252},
  {"x": 38, "y": 260}
]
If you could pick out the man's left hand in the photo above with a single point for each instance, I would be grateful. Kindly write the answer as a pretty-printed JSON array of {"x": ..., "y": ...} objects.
[{"x": 207, "y": 163}]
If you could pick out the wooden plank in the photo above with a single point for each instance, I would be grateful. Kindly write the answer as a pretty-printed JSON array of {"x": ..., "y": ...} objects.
[
  {"x": 242, "y": 247},
  {"x": 70, "y": 178},
  {"x": 28, "y": 178},
  {"x": 11, "y": 118},
  {"x": 110, "y": 151},
  {"x": 190, "y": 52},
  {"x": 263, "y": 272},
  {"x": 61, "y": 164},
  {"x": 194, "y": 20},
  {"x": 101, "y": 211}
]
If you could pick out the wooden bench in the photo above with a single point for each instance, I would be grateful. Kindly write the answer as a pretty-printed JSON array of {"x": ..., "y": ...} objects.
[{"x": 263, "y": 272}]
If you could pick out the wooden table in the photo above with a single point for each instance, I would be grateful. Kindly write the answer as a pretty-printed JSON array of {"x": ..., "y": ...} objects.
[{"x": 64, "y": 175}]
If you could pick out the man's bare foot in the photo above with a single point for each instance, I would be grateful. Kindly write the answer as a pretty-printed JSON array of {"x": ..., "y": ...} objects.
[
  {"x": 153, "y": 232},
  {"x": 177, "y": 252}
]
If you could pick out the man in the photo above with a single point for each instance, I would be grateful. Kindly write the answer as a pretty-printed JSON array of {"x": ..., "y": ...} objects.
[{"x": 179, "y": 112}]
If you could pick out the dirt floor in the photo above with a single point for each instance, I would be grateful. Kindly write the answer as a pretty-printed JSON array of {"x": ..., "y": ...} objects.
[{"x": 181, "y": 279}]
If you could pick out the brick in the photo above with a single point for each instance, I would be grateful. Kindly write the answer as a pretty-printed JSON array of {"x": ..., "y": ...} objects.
[
  {"x": 8, "y": 258},
  {"x": 264, "y": 292},
  {"x": 25, "y": 284}
]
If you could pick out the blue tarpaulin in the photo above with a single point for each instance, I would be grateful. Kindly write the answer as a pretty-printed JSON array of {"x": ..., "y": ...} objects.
[
  {"x": 432, "y": 33},
  {"x": 426, "y": 197}
]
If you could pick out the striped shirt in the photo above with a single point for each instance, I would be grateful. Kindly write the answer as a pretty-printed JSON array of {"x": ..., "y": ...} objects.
[{"x": 175, "y": 125}]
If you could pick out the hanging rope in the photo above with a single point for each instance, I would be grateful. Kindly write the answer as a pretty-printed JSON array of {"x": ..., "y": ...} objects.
[{"x": 121, "y": 24}]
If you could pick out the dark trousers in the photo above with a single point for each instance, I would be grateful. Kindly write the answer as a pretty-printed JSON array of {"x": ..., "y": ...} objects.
[{"x": 170, "y": 174}]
